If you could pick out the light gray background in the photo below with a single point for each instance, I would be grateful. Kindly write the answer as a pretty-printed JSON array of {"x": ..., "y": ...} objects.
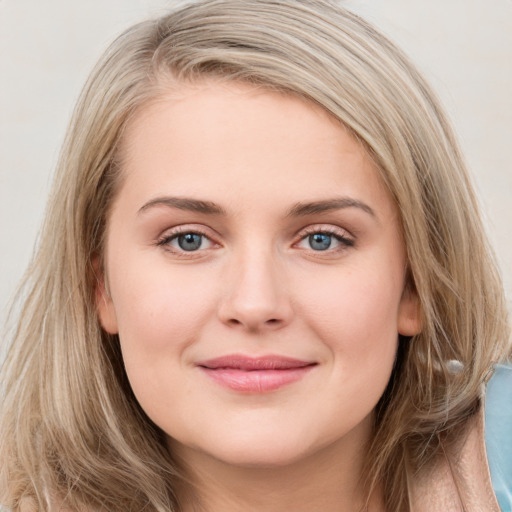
[{"x": 47, "y": 48}]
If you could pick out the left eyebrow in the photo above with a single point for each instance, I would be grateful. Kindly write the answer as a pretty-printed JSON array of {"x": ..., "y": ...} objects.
[{"x": 303, "y": 209}]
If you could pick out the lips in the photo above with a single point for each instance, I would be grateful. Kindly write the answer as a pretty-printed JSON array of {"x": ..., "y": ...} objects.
[{"x": 255, "y": 375}]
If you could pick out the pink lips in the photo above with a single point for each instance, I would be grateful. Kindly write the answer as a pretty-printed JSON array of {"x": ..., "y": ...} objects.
[{"x": 255, "y": 375}]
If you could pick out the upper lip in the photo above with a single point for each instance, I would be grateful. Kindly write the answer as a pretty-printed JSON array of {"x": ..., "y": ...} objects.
[{"x": 254, "y": 363}]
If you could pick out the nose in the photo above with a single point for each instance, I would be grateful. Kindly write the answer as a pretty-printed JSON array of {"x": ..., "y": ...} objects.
[{"x": 255, "y": 294}]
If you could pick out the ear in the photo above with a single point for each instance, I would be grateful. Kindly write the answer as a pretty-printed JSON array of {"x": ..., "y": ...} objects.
[
  {"x": 409, "y": 312},
  {"x": 104, "y": 304}
]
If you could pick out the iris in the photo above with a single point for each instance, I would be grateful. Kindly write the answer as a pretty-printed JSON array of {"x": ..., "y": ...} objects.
[
  {"x": 320, "y": 241},
  {"x": 190, "y": 241}
]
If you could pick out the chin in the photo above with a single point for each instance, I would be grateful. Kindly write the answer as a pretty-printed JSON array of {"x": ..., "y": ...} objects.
[
  {"x": 253, "y": 456},
  {"x": 265, "y": 448}
]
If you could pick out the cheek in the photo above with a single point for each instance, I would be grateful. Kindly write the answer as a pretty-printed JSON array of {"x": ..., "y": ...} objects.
[
  {"x": 161, "y": 313},
  {"x": 355, "y": 312},
  {"x": 158, "y": 309}
]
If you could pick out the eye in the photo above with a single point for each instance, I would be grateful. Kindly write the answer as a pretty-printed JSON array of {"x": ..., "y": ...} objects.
[
  {"x": 185, "y": 241},
  {"x": 324, "y": 240},
  {"x": 320, "y": 241},
  {"x": 190, "y": 241}
]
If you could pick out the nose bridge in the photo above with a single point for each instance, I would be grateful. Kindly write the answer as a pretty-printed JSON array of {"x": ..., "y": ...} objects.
[{"x": 255, "y": 293}]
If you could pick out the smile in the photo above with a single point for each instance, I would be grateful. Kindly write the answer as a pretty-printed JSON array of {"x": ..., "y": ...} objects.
[{"x": 255, "y": 375}]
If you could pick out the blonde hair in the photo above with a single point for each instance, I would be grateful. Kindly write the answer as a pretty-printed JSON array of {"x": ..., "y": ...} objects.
[{"x": 70, "y": 427}]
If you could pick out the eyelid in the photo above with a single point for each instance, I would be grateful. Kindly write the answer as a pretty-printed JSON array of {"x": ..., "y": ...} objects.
[
  {"x": 342, "y": 235},
  {"x": 172, "y": 233},
  {"x": 330, "y": 229}
]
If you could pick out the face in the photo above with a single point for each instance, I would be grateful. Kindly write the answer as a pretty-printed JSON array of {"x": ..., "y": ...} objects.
[{"x": 255, "y": 272}]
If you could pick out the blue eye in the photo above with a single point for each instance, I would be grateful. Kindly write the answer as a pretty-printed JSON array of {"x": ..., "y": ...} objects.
[
  {"x": 185, "y": 242},
  {"x": 320, "y": 241},
  {"x": 190, "y": 241}
]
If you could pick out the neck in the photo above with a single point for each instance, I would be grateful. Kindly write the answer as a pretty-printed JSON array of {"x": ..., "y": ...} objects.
[{"x": 328, "y": 479}]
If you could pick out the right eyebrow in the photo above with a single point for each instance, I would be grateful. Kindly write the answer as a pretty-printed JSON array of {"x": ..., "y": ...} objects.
[{"x": 184, "y": 203}]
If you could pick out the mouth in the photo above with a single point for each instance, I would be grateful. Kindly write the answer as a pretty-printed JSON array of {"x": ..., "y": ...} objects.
[{"x": 255, "y": 374}]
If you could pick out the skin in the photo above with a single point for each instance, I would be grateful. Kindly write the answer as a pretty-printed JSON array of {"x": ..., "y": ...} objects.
[{"x": 256, "y": 286}]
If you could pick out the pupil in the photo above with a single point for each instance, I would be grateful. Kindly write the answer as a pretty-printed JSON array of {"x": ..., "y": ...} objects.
[
  {"x": 190, "y": 241},
  {"x": 320, "y": 241}
]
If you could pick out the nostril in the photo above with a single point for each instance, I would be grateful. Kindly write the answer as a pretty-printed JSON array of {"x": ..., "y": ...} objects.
[{"x": 271, "y": 321}]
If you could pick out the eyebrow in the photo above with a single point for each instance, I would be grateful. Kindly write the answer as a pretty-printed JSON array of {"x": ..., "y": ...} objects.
[
  {"x": 303, "y": 209},
  {"x": 185, "y": 203},
  {"x": 298, "y": 210}
]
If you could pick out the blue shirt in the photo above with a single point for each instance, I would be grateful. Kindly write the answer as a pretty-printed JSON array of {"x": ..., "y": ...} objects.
[{"x": 498, "y": 434}]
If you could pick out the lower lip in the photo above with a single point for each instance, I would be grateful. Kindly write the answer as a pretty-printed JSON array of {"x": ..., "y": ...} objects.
[{"x": 256, "y": 381}]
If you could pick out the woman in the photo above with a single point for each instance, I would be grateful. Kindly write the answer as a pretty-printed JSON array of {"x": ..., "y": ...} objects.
[{"x": 262, "y": 283}]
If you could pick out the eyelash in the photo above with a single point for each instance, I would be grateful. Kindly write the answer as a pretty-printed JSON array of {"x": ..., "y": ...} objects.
[
  {"x": 164, "y": 242},
  {"x": 338, "y": 234}
]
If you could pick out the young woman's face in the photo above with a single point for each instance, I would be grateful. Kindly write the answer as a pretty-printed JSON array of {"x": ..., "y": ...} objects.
[{"x": 255, "y": 271}]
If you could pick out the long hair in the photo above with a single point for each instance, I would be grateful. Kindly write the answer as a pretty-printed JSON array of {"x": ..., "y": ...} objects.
[{"x": 71, "y": 428}]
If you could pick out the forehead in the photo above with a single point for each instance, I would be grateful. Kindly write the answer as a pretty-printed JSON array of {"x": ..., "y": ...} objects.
[
  {"x": 208, "y": 137},
  {"x": 189, "y": 109}
]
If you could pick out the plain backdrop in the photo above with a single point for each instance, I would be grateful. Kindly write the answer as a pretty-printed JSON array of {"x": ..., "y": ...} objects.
[{"x": 47, "y": 47}]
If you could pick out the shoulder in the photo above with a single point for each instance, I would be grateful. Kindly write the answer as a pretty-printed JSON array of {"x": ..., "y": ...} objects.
[
  {"x": 460, "y": 478},
  {"x": 498, "y": 433}
]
